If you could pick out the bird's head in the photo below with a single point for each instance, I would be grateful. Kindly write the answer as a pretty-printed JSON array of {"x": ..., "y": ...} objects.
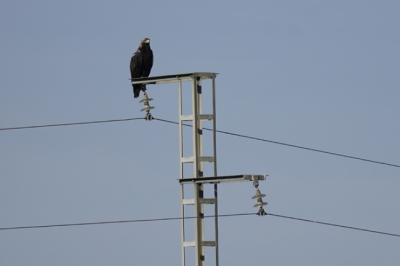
[
  {"x": 146, "y": 41},
  {"x": 144, "y": 44}
]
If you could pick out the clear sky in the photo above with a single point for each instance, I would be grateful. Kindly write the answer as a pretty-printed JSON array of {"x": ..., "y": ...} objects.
[{"x": 321, "y": 74}]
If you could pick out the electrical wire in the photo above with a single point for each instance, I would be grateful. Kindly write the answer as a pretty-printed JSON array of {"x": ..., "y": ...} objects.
[
  {"x": 208, "y": 129},
  {"x": 332, "y": 224},
  {"x": 72, "y": 123},
  {"x": 287, "y": 144},
  {"x": 194, "y": 217},
  {"x": 118, "y": 221}
]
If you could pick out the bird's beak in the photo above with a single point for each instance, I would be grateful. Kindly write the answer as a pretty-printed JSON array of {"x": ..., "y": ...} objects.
[{"x": 147, "y": 41}]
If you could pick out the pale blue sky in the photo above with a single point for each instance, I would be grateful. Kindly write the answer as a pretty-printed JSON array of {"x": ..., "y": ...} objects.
[{"x": 322, "y": 74}]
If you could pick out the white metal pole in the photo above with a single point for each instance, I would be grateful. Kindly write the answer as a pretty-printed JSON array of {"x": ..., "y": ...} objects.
[
  {"x": 197, "y": 187},
  {"x": 181, "y": 172},
  {"x": 215, "y": 172}
]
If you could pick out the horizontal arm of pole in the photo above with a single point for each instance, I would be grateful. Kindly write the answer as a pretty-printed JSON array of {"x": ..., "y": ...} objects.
[
  {"x": 222, "y": 179},
  {"x": 174, "y": 78}
]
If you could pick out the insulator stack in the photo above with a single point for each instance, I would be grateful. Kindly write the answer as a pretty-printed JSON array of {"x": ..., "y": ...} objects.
[
  {"x": 259, "y": 199},
  {"x": 147, "y": 107}
]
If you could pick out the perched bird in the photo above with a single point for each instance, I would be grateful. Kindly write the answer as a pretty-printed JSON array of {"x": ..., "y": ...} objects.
[{"x": 141, "y": 63}]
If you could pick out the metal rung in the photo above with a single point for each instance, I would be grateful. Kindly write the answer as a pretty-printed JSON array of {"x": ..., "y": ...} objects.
[
  {"x": 206, "y": 117},
  {"x": 208, "y": 243},
  {"x": 187, "y": 159},
  {"x": 202, "y": 117},
  {"x": 208, "y": 201},
  {"x": 186, "y": 117},
  {"x": 189, "y": 244},
  {"x": 202, "y": 201},
  {"x": 188, "y": 201},
  {"x": 190, "y": 159},
  {"x": 203, "y": 243},
  {"x": 207, "y": 159}
]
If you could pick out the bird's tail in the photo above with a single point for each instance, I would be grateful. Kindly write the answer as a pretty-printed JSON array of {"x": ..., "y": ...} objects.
[{"x": 137, "y": 88}]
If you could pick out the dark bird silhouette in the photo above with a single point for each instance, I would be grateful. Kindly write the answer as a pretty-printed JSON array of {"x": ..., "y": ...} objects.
[{"x": 141, "y": 63}]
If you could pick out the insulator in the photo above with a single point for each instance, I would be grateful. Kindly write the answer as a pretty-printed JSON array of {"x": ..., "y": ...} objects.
[
  {"x": 147, "y": 108},
  {"x": 260, "y": 204},
  {"x": 259, "y": 199},
  {"x": 258, "y": 194},
  {"x": 146, "y": 100}
]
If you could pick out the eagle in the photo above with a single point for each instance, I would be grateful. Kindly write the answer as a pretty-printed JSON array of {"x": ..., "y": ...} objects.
[{"x": 140, "y": 66}]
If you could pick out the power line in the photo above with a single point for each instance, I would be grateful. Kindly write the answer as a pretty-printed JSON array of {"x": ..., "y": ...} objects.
[
  {"x": 193, "y": 217},
  {"x": 72, "y": 123},
  {"x": 332, "y": 224},
  {"x": 118, "y": 222},
  {"x": 287, "y": 144},
  {"x": 207, "y": 129}
]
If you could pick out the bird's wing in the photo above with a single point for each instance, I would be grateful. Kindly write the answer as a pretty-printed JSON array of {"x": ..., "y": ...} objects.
[
  {"x": 136, "y": 65},
  {"x": 148, "y": 64},
  {"x": 151, "y": 60}
]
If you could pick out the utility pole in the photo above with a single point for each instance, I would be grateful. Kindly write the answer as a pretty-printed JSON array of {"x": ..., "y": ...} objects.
[{"x": 198, "y": 165}]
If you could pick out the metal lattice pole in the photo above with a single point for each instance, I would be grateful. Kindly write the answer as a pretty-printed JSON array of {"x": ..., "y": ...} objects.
[{"x": 196, "y": 160}]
